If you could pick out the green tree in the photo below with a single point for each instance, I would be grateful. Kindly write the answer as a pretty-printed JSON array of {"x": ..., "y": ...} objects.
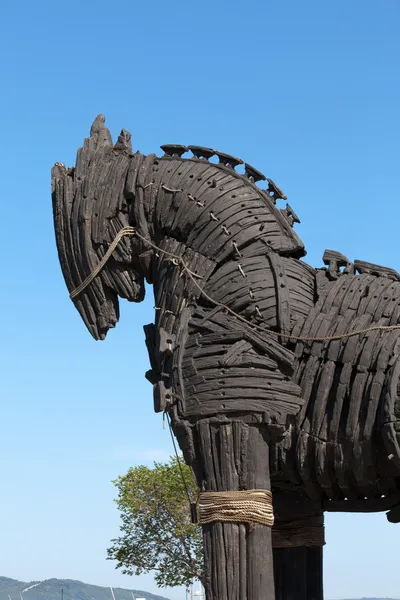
[{"x": 157, "y": 532}]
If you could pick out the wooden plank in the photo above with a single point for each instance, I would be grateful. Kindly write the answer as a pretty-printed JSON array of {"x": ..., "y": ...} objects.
[{"x": 282, "y": 292}]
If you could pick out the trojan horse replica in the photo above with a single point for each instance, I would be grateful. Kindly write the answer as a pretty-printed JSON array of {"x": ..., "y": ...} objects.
[{"x": 277, "y": 377}]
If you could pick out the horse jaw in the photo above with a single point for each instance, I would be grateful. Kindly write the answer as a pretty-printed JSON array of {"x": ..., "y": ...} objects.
[{"x": 98, "y": 304}]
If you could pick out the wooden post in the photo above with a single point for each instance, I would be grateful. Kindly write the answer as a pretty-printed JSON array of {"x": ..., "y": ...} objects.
[
  {"x": 238, "y": 557},
  {"x": 298, "y": 568},
  {"x": 298, "y": 573}
]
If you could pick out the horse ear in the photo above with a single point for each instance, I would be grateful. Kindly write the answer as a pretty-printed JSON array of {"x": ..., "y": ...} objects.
[
  {"x": 124, "y": 141},
  {"x": 100, "y": 136}
]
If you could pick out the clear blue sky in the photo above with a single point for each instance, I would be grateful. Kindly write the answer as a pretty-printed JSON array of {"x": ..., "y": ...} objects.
[{"x": 309, "y": 93}]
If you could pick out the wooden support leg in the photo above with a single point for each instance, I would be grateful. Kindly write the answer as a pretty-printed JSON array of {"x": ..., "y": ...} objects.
[
  {"x": 298, "y": 573},
  {"x": 238, "y": 557},
  {"x": 298, "y": 567}
]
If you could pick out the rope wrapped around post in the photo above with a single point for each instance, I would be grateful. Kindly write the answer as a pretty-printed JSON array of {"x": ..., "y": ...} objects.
[
  {"x": 246, "y": 506},
  {"x": 302, "y": 532}
]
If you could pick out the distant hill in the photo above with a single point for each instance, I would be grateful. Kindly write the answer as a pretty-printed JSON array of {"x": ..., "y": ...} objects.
[{"x": 50, "y": 589}]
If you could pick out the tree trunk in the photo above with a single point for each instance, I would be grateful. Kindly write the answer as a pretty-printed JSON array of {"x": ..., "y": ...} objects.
[
  {"x": 238, "y": 557},
  {"x": 298, "y": 573}
]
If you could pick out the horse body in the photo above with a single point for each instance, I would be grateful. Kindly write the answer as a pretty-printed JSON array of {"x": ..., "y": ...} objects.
[
  {"x": 253, "y": 403},
  {"x": 345, "y": 441},
  {"x": 231, "y": 232}
]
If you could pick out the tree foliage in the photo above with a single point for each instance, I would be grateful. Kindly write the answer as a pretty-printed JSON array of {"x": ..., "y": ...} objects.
[{"x": 157, "y": 532}]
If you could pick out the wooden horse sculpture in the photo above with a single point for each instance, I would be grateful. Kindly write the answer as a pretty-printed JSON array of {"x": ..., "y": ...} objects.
[{"x": 276, "y": 376}]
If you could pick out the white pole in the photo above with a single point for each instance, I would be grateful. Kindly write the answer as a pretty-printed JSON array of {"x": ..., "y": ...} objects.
[{"x": 112, "y": 591}]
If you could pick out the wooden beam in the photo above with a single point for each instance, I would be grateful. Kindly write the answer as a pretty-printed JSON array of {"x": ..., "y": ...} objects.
[
  {"x": 238, "y": 557},
  {"x": 298, "y": 573}
]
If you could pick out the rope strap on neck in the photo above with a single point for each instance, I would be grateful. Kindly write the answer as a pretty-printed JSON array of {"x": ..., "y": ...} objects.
[
  {"x": 126, "y": 231},
  {"x": 178, "y": 260},
  {"x": 247, "y": 506},
  {"x": 303, "y": 532}
]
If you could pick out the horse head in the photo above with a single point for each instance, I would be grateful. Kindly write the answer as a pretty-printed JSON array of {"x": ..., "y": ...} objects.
[{"x": 90, "y": 208}]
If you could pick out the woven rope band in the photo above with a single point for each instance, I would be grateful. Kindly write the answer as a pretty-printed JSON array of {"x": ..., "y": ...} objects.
[
  {"x": 248, "y": 506},
  {"x": 304, "y": 532}
]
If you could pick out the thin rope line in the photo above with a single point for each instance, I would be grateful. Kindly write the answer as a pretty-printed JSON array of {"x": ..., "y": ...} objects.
[
  {"x": 130, "y": 231},
  {"x": 179, "y": 462},
  {"x": 124, "y": 232}
]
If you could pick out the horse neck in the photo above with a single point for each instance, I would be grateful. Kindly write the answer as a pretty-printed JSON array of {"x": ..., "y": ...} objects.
[
  {"x": 211, "y": 217},
  {"x": 209, "y": 207}
]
